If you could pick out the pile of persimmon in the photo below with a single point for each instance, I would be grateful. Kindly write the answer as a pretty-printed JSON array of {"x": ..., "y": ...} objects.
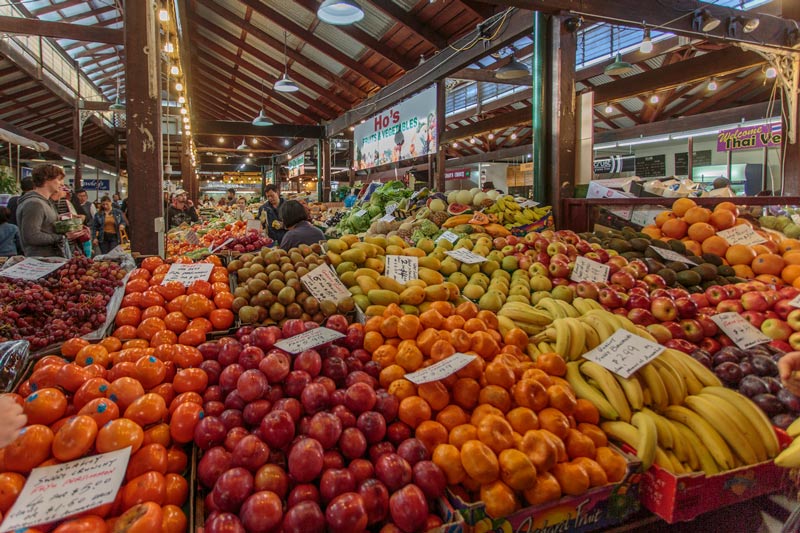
[
  {"x": 504, "y": 429},
  {"x": 171, "y": 312},
  {"x": 102, "y": 397}
]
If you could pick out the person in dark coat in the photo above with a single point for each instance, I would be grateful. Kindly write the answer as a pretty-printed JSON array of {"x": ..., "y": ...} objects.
[
  {"x": 26, "y": 184},
  {"x": 299, "y": 229},
  {"x": 269, "y": 214}
]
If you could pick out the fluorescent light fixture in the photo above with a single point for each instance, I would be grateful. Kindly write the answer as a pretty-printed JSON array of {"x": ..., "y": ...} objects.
[
  {"x": 605, "y": 146},
  {"x": 340, "y": 12},
  {"x": 90, "y": 167},
  {"x": 645, "y": 140},
  {"x": 695, "y": 134}
]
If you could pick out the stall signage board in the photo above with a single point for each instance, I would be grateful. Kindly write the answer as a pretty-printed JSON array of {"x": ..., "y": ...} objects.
[
  {"x": 30, "y": 268},
  {"x": 188, "y": 273},
  {"x": 442, "y": 369},
  {"x": 307, "y": 340},
  {"x": 742, "y": 234},
  {"x": 402, "y": 268},
  {"x": 624, "y": 353},
  {"x": 644, "y": 216},
  {"x": 254, "y": 225},
  {"x": 588, "y": 270},
  {"x": 465, "y": 256},
  {"x": 324, "y": 284},
  {"x": 54, "y": 492},
  {"x": 750, "y": 137},
  {"x": 742, "y": 333},
  {"x": 221, "y": 246},
  {"x": 404, "y": 131}
]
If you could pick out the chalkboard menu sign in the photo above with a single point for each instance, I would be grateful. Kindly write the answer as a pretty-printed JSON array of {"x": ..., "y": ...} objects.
[
  {"x": 651, "y": 166},
  {"x": 699, "y": 159}
]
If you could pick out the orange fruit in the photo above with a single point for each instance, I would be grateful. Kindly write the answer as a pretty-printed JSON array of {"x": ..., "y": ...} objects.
[
  {"x": 700, "y": 231},
  {"x": 390, "y": 374},
  {"x": 499, "y": 374},
  {"x": 697, "y": 214},
  {"x": 408, "y": 327},
  {"x": 495, "y": 432},
  {"x": 516, "y": 469},
  {"x": 663, "y": 217},
  {"x": 522, "y": 420},
  {"x": 495, "y": 396},
  {"x": 409, "y": 356},
  {"x": 796, "y": 283},
  {"x": 728, "y": 206},
  {"x": 790, "y": 273},
  {"x": 743, "y": 271},
  {"x": 792, "y": 257},
  {"x": 432, "y": 434},
  {"x": 540, "y": 449},
  {"x": 554, "y": 421},
  {"x": 461, "y": 434},
  {"x": 552, "y": 363},
  {"x": 572, "y": 477},
  {"x": 767, "y": 264},
  {"x": 786, "y": 245},
  {"x": 682, "y": 205},
  {"x": 402, "y": 388},
  {"x": 769, "y": 279},
  {"x": 561, "y": 398},
  {"x": 715, "y": 245},
  {"x": 652, "y": 231},
  {"x": 675, "y": 228},
  {"x": 579, "y": 445},
  {"x": 499, "y": 499},
  {"x": 452, "y": 416},
  {"x": 448, "y": 458},
  {"x": 435, "y": 393},
  {"x": 465, "y": 393},
  {"x": 612, "y": 462},
  {"x": 480, "y": 462},
  {"x": 597, "y": 476},
  {"x": 546, "y": 490},
  {"x": 740, "y": 254},
  {"x": 722, "y": 219},
  {"x": 692, "y": 247},
  {"x": 413, "y": 411},
  {"x": 595, "y": 433}
]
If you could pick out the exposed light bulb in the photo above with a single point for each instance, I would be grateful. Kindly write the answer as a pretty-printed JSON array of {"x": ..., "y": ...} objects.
[
  {"x": 609, "y": 109},
  {"x": 255, "y": 141},
  {"x": 174, "y": 70},
  {"x": 181, "y": 100},
  {"x": 455, "y": 145},
  {"x": 286, "y": 142},
  {"x": 163, "y": 15},
  {"x": 183, "y": 111},
  {"x": 646, "y": 46},
  {"x": 179, "y": 86},
  {"x": 513, "y": 135},
  {"x": 222, "y": 140},
  {"x": 185, "y": 120},
  {"x": 490, "y": 136},
  {"x": 771, "y": 72},
  {"x": 250, "y": 154},
  {"x": 219, "y": 159},
  {"x": 712, "y": 85},
  {"x": 169, "y": 48},
  {"x": 247, "y": 160},
  {"x": 654, "y": 99},
  {"x": 473, "y": 140}
]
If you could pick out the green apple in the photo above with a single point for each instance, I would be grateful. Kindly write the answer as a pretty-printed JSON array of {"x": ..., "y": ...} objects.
[
  {"x": 538, "y": 295},
  {"x": 458, "y": 278},
  {"x": 541, "y": 283},
  {"x": 563, "y": 292},
  {"x": 539, "y": 268},
  {"x": 510, "y": 263}
]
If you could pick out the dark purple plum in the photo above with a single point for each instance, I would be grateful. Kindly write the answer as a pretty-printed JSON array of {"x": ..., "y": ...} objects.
[
  {"x": 729, "y": 372},
  {"x": 769, "y": 403},
  {"x": 764, "y": 366},
  {"x": 753, "y": 386},
  {"x": 789, "y": 400}
]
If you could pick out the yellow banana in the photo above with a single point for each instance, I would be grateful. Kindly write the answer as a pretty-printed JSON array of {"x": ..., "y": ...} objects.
[
  {"x": 703, "y": 374},
  {"x": 568, "y": 308},
  {"x": 665, "y": 437},
  {"x": 675, "y": 385},
  {"x": 794, "y": 428},
  {"x": 545, "y": 347},
  {"x": 755, "y": 415},
  {"x": 623, "y": 432},
  {"x": 705, "y": 461},
  {"x": 663, "y": 460},
  {"x": 648, "y": 438},
  {"x": 603, "y": 328},
  {"x": 721, "y": 421},
  {"x": 505, "y": 324},
  {"x": 590, "y": 334},
  {"x": 562, "y": 339},
  {"x": 652, "y": 381},
  {"x": 790, "y": 457},
  {"x": 587, "y": 392},
  {"x": 610, "y": 388},
  {"x": 682, "y": 448},
  {"x": 676, "y": 463},
  {"x": 715, "y": 444},
  {"x": 693, "y": 385},
  {"x": 633, "y": 391},
  {"x": 577, "y": 338},
  {"x": 582, "y": 305},
  {"x": 550, "y": 305}
]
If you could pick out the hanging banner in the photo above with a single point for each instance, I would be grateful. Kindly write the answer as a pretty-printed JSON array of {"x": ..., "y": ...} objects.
[
  {"x": 404, "y": 131},
  {"x": 297, "y": 166},
  {"x": 749, "y": 138}
]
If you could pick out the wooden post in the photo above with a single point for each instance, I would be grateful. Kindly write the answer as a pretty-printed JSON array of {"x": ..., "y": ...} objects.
[
  {"x": 790, "y": 167},
  {"x": 437, "y": 179},
  {"x": 143, "y": 110},
  {"x": 76, "y": 141},
  {"x": 325, "y": 183},
  {"x": 186, "y": 168},
  {"x": 690, "y": 156}
]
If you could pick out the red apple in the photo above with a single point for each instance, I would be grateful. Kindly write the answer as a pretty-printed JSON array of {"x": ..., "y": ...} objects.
[
  {"x": 692, "y": 330},
  {"x": 637, "y": 301},
  {"x": 347, "y": 512},
  {"x": 715, "y": 295},
  {"x": 305, "y": 517},
  {"x": 623, "y": 278},
  {"x": 686, "y": 307},
  {"x": 710, "y": 327},
  {"x": 641, "y": 316},
  {"x": 776, "y": 329},
  {"x": 609, "y": 298},
  {"x": 700, "y": 299},
  {"x": 675, "y": 329},
  {"x": 681, "y": 344},
  {"x": 586, "y": 289},
  {"x": 305, "y": 460},
  {"x": 733, "y": 306},
  {"x": 663, "y": 309},
  {"x": 660, "y": 332},
  {"x": 793, "y": 319},
  {"x": 710, "y": 344},
  {"x": 782, "y": 308},
  {"x": 409, "y": 508},
  {"x": 754, "y": 301},
  {"x": 262, "y": 511},
  {"x": 756, "y": 318}
]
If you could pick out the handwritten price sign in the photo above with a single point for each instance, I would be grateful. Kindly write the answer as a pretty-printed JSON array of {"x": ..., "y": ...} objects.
[
  {"x": 188, "y": 274},
  {"x": 742, "y": 333},
  {"x": 465, "y": 256},
  {"x": 742, "y": 234},
  {"x": 669, "y": 255},
  {"x": 588, "y": 270},
  {"x": 624, "y": 353},
  {"x": 441, "y": 370},
  {"x": 55, "y": 492},
  {"x": 448, "y": 236},
  {"x": 310, "y": 339},
  {"x": 323, "y": 284},
  {"x": 30, "y": 268},
  {"x": 402, "y": 268}
]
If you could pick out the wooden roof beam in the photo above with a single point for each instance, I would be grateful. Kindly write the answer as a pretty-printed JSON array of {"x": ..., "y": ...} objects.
[
  {"x": 501, "y": 121},
  {"x": 60, "y": 30},
  {"x": 312, "y": 40},
  {"x": 410, "y": 21},
  {"x": 93, "y": 13},
  {"x": 486, "y": 157},
  {"x": 57, "y": 7},
  {"x": 225, "y": 127},
  {"x": 488, "y": 76}
]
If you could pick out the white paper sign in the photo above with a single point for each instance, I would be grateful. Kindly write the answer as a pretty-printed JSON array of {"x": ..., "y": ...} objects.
[
  {"x": 254, "y": 225},
  {"x": 796, "y": 219},
  {"x": 361, "y": 212},
  {"x": 624, "y": 353},
  {"x": 188, "y": 274},
  {"x": 324, "y": 284},
  {"x": 192, "y": 238},
  {"x": 528, "y": 203},
  {"x": 391, "y": 208},
  {"x": 30, "y": 268},
  {"x": 309, "y": 339},
  {"x": 448, "y": 236},
  {"x": 415, "y": 194},
  {"x": 795, "y": 301},
  {"x": 742, "y": 333},
  {"x": 361, "y": 318},
  {"x": 440, "y": 370},
  {"x": 402, "y": 268},
  {"x": 55, "y": 492},
  {"x": 588, "y": 270},
  {"x": 221, "y": 246},
  {"x": 465, "y": 256},
  {"x": 742, "y": 234},
  {"x": 644, "y": 216},
  {"x": 669, "y": 255},
  {"x": 387, "y": 218}
]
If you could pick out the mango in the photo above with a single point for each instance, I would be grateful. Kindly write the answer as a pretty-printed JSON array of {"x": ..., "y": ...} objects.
[
  {"x": 412, "y": 296},
  {"x": 489, "y": 266},
  {"x": 449, "y": 265},
  {"x": 333, "y": 258},
  {"x": 438, "y": 254},
  {"x": 416, "y": 283},
  {"x": 501, "y": 274},
  {"x": 355, "y": 290},
  {"x": 469, "y": 270},
  {"x": 377, "y": 240},
  {"x": 430, "y": 276},
  {"x": 350, "y": 240},
  {"x": 390, "y": 284},
  {"x": 370, "y": 249},
  {"x": 383, "y": 297},
  {"x": 361, "y": 301},
  {"x": 367, "y": 272},
  {"x": 517, "y": 298},
  {"x": 374, "y": 263},
  {"x": 344, "y": 266},
  {"x": 337, "y": 246},
  {"x": 454, "y": 289},
  {"x": 367, "y": 284},
  {"x": 355, "y": 255},
  {"x": 349, "y": 278},
  {"x": 473, "y": 291},
  {"x": 393, "y": 249},
  {"x": 414, "y": 251},
  {"x": 394, "y": 240},
  {"x": 430, "y": 262},
  {"x": 458, "y": 278},
  {"x": 427, "y": 245},
  {"x": 437, "y": 293},
  {"x": 424, "y": 306},
  {"x": 490, "y": 302},
  {"x": 374, "y": 310},
  {"x": 410, "y": 309},
  {"x": 464, "y": 243}
]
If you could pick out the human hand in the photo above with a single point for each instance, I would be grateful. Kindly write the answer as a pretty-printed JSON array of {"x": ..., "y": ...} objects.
[
  {"x": 12, "y": 419},
  {"x": 788, "y": 366}
]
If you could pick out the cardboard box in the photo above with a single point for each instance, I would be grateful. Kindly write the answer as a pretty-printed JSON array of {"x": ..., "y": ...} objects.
[
  {"x": 598, "y": 508},
  {"x": 681, "y": 498}
]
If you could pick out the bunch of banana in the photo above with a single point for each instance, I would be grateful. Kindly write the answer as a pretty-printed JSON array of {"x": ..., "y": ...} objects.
[
  {"x": 790, "y": 457},
  {"x": 523, "y": 316},
  {"x": 510, "y": 213}
]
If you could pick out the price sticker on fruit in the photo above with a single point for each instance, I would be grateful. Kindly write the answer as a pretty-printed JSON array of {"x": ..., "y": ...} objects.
[
  {"x": 307, "y": 340},
  {"x": 361, "y": 212},
  {"x": 448, "y": 236},
  {"x": 466, "y": 257},
  {"x": 742, "y": 333},
  {"x": 402, "y": 268},
  {"x": 669, "y": 255},
  {"x": 188, "y": 274},
  {"x": 323, "y": 284},
  {"x": 588, "y": 270},
  {"x": 55, "y": 492},
  {"x": 624, "y": 353},
  {"x": 441, "y": 370},
  {"x": 30, "y": 268},
  {"x": 742, "y": 234}
]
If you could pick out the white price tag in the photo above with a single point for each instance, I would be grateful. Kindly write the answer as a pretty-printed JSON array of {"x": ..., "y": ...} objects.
[
  {"x": 192, "y": 238},
  {"x": 669, "y": 255},
  {"x": 254, "y": 225},
  {"x": 391, "y": 208},
  {"x": 644, "y": 216},
  {"x": 387, "y": 218},
  {"x": 796, "y": 219},
  {"x": 30, "y": 268},
  {"x": 624, "y": 353},
  {"x": 448, "y": 236},
  {"x": 465, "y": 256},
  {"x": 528, "y": 203},
  {"x": 324, "y": 284},
  {"x": 402, "y": 268},
  {"x": 440, "y": 370},
  {"x": 588, "y": 270},
  {"x": 742, "y": 234},
  {"x": 221, "y": 246},
  {"x": 795, "y": 301},
  {"x": 742, "y": 333},
  {"x": 310, "y": 339},
  {"x": 55, "y": 492},
  {"x": 361, "y": 212},
  {"x": 361, "y": 318},
  {"x": 188, "y": 274},
  {"x": 415, "y": 194}
]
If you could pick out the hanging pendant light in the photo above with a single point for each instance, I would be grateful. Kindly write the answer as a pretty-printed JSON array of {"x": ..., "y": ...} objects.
[
  {"x": 243, "y": 146},
  {"x": 261, "y": 119},
  {"x": 340, "y": 12},
  {"x": 285, "y": 84},
  {"x": 618, "y": 67},
  {"x": 512, "y": 70},
  {"x": 117, "y": 105}
]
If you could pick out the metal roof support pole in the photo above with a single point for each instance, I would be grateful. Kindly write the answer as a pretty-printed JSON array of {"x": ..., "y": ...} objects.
[{"x": 540, "y": 186}]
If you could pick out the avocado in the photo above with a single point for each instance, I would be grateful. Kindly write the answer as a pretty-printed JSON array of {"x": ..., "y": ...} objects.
[
  {"x": 677, "y": 266},
  {"x": 639, "y": 244},
  {"x": 725, "y": 270},
  {"x": 695, "y": 259},
  {"x": 695, "y": 289},
  {"x": 652, "y": 254},
  {"x": 653, "y": 264},
  {"x": 660, "y": 244},
  {"x": 669, "y": 276},
  {"x": 677, "y": 246},
  {"x": 707, "y": 284},
  {"x": 687, "y": 278},
  {"x": 714, "y": 259},
  {"x": 619, "y": 245},
  {"x": 707, "y": 271},
  {"x": 633, "y": 254}
]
